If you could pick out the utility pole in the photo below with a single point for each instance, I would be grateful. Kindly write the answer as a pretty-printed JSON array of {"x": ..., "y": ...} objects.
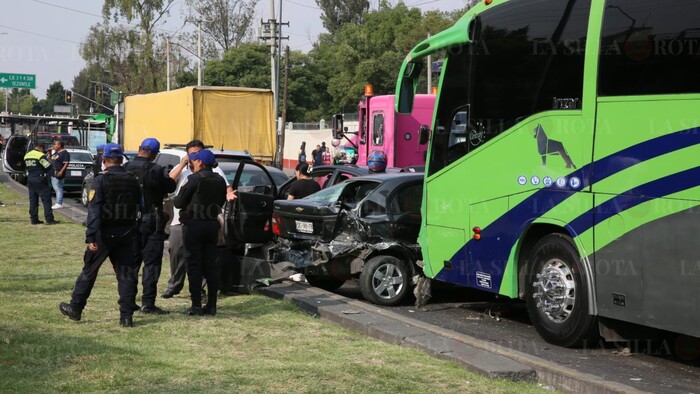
[
  {"x": 167, "y": 60},
  {"x": 272, "y": 34},
  {"x": 430, "y": 71},
  {"x": 284, "y": 107},
  {"x": 273, "y": 57},
  {"x": 199, "y": 53}
]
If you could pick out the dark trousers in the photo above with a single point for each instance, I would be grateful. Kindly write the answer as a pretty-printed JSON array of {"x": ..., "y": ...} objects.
[
  {"x": 199, "y": 238},
  {"x": 149, "y": 249},
  {"x": 120, "y": 251},
  {"x": 38, "y": 187}
]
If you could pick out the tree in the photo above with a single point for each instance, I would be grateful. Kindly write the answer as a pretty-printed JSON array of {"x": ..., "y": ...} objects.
[
  {"x": 225, "y": 23},
  {"x": 371, "y": 52},
  {"x": 130, "y": 51},
  {"x": 55, "y": 95},
  {"x": 336, "y": 13},
  {"x": 246, "y": 66},
  {"x": 21, "y": 101}
]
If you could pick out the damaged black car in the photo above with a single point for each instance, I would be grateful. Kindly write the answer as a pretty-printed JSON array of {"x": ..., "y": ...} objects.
[{"x": 364, "y": 228}]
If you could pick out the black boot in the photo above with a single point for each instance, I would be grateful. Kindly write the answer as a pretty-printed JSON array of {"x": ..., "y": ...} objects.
[{"x": 72, "y": 313}]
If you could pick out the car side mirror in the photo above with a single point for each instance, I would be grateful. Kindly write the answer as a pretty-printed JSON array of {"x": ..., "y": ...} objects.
[{"x": 423, "y": 135}]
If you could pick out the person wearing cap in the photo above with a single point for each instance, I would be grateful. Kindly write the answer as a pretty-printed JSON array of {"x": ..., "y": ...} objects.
[
  {"x": 155, "y": 186},
  {"x": 200, "y": 201},
  {"x": 97, "y": 165},
  {"x": 113, "y": 211},
  {"x": 175, "y": 245},
  {"x": 304, "y": 185},
  {"x": 38, "y": 168},
  {"x": 377, "y": 161}
]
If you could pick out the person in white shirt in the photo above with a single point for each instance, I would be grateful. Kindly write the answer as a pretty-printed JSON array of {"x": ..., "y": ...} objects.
[{"x": 176, "y": 247}]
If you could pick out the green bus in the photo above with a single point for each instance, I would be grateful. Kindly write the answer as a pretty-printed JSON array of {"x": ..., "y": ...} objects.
[{"x": 564, "y": 162}]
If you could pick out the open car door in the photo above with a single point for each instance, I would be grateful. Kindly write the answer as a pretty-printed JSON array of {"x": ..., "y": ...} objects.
[
  {"x": 13, "y": 157},
  {"x": 247, "y": 219}
]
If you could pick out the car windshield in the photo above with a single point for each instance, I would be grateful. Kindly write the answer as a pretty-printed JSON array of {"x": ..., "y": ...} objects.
[
  {"x": 329, "y": 194},
  {"x": 80, "y": 156}
]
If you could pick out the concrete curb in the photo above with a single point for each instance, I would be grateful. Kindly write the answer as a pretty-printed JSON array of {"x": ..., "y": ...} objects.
[{"x": 477, "y": 356}]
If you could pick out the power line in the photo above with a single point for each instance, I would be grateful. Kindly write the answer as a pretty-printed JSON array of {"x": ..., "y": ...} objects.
[
  {"x": 66, "y": 8},
  {"x": 423, "y": 3},
  {"x": 40, "y": 35},
  {"x": 100, "y": 16},
  {"x": 304, "y": 5}
]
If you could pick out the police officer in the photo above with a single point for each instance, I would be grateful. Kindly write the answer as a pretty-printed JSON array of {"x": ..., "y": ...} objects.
[
  {"x": 113, "y": 211},
  {"x": 200, "y": 201},
  {"x": 97, "y": 165},
  {"x": 38, "y": 170},
  {"x": 155, "y": 186}
]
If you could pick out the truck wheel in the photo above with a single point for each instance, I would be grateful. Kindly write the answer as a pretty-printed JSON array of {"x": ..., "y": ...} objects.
[
  {"x": 328, "y": 283},
  {"x": 556, "y": 296},
  {"x": 385, "y": 280},
  {"x": 84, "y": 196}
]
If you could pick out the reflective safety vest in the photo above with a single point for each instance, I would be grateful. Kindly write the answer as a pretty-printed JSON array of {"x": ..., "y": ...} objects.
[{"x": 36, "y": 163}]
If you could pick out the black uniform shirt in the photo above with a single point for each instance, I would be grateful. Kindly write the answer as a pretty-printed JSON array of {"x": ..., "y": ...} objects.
[
  {"x": 97, "y": 199},
  {"x": 158, "y": 183},
  {"x": 210, "y": 200}
]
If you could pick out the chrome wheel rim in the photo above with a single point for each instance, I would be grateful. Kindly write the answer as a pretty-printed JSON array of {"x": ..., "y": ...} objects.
[{"x": 555, "y": 290}]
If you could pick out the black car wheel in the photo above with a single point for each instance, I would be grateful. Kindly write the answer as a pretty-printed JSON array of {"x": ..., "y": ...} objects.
[
  {"x": 328, "y": 283},
  {"x": 385, "y": 280},
  {"x": 556, "y": 296},
  {"x": 84, "y": 196}
]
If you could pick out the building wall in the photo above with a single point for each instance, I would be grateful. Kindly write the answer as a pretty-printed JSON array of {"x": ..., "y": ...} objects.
[{"x": 293, "y": 139}]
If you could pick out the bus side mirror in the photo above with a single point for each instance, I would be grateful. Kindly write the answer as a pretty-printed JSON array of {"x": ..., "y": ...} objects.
[
  {"x": 423, "y": 135},
  {"x": 406, "y": 88}
]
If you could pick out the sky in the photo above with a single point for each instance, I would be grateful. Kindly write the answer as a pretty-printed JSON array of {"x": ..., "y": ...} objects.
[{"x": 43, "y": 37}]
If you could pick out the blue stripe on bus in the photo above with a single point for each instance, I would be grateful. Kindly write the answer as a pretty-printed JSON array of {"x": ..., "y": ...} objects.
[
  {"x": 661, "y": 187},
  {"x": 490, "y": 254}
]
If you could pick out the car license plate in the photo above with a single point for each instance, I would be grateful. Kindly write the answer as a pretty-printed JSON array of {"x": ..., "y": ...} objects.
[
  {"x": 76, "y": 173},
  {"x": 305, "y": 227}
]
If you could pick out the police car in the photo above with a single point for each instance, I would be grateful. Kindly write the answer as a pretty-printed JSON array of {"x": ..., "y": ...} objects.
[{"x": 79, "y": 166}]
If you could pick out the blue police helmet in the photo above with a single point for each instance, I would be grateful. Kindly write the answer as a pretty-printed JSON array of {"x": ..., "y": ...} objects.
[{"x": 377, "y": 161}]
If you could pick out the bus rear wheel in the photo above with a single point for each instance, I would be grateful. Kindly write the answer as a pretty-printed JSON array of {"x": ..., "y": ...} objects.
[{"x": 556, "y": 296}]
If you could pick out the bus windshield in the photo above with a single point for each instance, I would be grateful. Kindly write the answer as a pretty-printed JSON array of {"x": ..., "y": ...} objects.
[{"x": 481, "y": 82}]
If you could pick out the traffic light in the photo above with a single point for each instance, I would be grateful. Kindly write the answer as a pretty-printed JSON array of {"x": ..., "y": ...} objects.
[
  {"x": 69, "y": 97},
  {"x": 98, "y": 93}
]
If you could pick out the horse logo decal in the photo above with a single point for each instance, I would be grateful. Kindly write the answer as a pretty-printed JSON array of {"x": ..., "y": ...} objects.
[{"x": 546, "y": 146}]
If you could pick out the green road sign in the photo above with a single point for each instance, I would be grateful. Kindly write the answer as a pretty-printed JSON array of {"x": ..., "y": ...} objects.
[{"x": 20, "y": 81}]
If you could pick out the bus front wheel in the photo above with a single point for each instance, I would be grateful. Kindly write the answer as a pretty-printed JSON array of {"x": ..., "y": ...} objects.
[{"x": 556, "y": 296}]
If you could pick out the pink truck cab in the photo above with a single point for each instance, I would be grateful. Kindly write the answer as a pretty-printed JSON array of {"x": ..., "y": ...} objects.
[{"x": 381, "y": 128}]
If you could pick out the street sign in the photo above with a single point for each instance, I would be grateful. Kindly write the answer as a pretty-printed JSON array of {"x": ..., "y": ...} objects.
[
  {"x": 20, "y": 81},
  {"x": 62, "y": 109}
]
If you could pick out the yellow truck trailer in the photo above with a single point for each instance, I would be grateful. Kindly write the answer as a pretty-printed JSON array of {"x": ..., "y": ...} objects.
[{"x": 228, "y": 118}]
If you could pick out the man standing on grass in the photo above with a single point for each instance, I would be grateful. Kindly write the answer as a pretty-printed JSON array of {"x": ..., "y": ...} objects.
[
  {"x": 155, "y": 185},
  {"x": 38, "y": 167},
  {"x": 113, "y": 210},
  {"x": 59, "y": 159},
  {"x": 176, "y": 247},
  {"x": 200, "y": 201}
]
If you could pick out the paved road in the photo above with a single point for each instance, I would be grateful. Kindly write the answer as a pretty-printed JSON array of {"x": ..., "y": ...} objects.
[{"x": 646, "y": 366}]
